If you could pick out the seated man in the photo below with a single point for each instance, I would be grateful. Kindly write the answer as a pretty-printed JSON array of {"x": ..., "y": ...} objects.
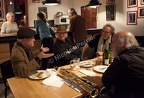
[
  {"x": 99, "y": 40},
  {"x": 125, "y": 76},
  {"x": 64, "y": 50},
  {"x": 24, "y": 62}
]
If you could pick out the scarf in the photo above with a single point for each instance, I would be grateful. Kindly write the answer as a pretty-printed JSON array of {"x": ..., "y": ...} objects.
[{"x": 102, "y": 45}]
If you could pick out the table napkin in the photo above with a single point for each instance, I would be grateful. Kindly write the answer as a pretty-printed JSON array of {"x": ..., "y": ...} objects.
[
  {"x": 53, "y": 80},
  {"x": 88, "y": 73}
]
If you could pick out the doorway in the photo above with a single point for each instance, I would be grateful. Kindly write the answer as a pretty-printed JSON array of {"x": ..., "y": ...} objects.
[
  {"x": 19, "y": 8},
  {"x": 90, "y": 15}
]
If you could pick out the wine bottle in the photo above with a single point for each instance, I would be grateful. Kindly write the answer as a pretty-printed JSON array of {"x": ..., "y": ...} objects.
[{"x": 105, "y": 56}]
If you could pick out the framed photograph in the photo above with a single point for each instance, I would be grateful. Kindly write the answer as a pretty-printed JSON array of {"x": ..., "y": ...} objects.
[
  {"x": 110, "y": 12},
  {"x": 110, "y": 1},
  {"x": 142, "y": 2},
  {"x": 132, "y": 3},
  {"x": 140, "y": 12},
  {"x": 1, "y": 13},
  {"x": 131, "y": 17},
  {"x": 35, "y": 1}
]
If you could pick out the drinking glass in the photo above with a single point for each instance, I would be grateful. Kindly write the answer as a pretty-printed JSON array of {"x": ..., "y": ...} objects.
[{"x": 75, "y": 63}]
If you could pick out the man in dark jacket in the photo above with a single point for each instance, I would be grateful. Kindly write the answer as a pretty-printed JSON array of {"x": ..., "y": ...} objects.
[
  {"x": 64, "y": 50},
  {"x": 77, "y": 26},
  {"x": 98, "y": 41},
  {"x": 125, "y": 76}
]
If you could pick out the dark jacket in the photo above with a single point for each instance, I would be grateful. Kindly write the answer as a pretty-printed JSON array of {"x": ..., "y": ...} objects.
[
  {"x": 60, "y": 52},
  {"x": 126, "y": 74},
  {"x": 78, "y": 29}
]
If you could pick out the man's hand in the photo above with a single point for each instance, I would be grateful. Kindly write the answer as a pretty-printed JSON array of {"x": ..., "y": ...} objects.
[
  {"x": 44, "y": 55},
  {"x": 99, "y": 53},
  {"x": 44, "y": 49}
]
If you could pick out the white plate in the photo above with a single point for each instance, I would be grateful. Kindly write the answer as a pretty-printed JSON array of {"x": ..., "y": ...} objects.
[
  {"x": 85, "y": 64},
  {"x": 100, "y": 68},
  {"x": 35, "y": 77}
]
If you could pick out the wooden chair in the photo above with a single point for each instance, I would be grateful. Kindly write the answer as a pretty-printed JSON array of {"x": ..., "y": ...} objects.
[{"x": 7, "y": 72}]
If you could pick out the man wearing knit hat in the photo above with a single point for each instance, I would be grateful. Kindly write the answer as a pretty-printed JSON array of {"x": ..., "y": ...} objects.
[{"x": 24, "y": 62}]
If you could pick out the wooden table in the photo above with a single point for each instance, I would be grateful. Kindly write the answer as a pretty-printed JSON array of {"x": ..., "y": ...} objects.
[{"x": 27, "y": 88}]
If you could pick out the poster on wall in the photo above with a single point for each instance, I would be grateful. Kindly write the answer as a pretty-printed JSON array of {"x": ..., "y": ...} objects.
[
  {"x": 44, "y": 9},
  {"x": 140, "y": 12},
  {"x": 132, "y": 3},
  {"x": 110, "y": 12},
  {"x": 131, "y": 17}
]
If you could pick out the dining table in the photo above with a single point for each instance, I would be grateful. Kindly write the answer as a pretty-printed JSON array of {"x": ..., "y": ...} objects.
[{"x": 31, "y": 88}]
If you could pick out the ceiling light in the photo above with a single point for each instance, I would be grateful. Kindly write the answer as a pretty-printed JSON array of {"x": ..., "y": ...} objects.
[
  {"x": 18, "y": 11},
  {"x": 93, "y": 3},
  {"x": 50, "y": 2}
]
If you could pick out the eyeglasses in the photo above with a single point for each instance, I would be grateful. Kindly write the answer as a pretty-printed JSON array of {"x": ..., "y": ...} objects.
[{"x": 105, "y": 31}]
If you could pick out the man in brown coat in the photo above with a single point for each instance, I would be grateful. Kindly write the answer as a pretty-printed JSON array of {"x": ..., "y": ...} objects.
[
  {"x": 77, "y": 26},
  {"x": 24, "y": 62}
]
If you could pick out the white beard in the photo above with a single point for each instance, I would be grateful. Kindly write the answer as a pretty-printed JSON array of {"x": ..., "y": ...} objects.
[{"x": 116, "y": 51}]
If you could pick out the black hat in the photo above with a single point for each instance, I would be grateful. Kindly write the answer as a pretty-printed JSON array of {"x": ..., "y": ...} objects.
[{"x": 25, "y": 33}]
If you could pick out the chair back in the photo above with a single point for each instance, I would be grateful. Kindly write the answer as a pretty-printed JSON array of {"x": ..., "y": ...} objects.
[{"x": 6, "y": 70}]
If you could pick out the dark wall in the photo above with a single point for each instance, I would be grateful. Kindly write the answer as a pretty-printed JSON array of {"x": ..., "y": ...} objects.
[{"x": 140, "y": 39}]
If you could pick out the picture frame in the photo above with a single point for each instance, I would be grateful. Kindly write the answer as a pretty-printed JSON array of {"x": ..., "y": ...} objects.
[
  {"x": 140, "y": 12},
  {"x": 110, "y": 12},
  {"x": 132, "y": 3},
  {"x": 35, "y": 1},
  {"x": 110, "y": 1},
  {"x": 131, "y": 17},
  {"x": 142, "y": 2}
]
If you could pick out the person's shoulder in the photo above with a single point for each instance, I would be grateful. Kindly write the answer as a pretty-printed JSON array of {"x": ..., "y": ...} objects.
[{"x": 4, "y": 23}]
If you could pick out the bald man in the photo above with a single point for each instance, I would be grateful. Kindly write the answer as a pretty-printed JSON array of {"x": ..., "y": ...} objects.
[{"x": 125, "y": 76}]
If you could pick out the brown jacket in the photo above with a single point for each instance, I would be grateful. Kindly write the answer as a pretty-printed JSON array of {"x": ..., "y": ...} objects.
[
  {"x": 21, "y": 65},
  {"x": 78, "y": 29}
]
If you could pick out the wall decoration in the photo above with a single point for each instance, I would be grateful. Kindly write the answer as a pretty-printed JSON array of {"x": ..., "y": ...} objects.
[
  {"x": 140, "y": 12},
  {"x": 132, "y": 3},
  {"x": 44, "y": 9},
  {"x": 110, "y": 12},
  {"x": 35, "y": 1},
  {"x": 131, "y": 17},
  {"x": 142, "y": 2},
  {"x": 110, "y": 1}
]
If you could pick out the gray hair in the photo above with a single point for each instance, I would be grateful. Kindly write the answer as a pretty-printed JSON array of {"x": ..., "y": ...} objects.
[
  {"x": 128, "y": 39},
  {"x": 112, "y": 28},
  {"x": 9, "y": 14}
]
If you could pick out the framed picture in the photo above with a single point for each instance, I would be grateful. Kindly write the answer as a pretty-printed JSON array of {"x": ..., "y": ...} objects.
[
  {"x": 131, "y": 17},
  {"x": 35, "y": 1},
  {"x": 110, "y": 12},
  {"x": 1, "y": 13},
  {"x": 132, "y": 3},
  {"x": 110, "y": 1},
  {"x": 140, "y": 12},
  {"x": 142, "y": 2}
]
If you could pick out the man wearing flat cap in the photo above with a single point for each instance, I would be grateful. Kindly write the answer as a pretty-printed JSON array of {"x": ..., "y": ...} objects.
[{"x": 24, "y": 62}]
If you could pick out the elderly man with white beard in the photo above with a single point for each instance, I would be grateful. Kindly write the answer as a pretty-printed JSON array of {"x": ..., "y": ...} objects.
[{"x": 125, "y": 76}]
